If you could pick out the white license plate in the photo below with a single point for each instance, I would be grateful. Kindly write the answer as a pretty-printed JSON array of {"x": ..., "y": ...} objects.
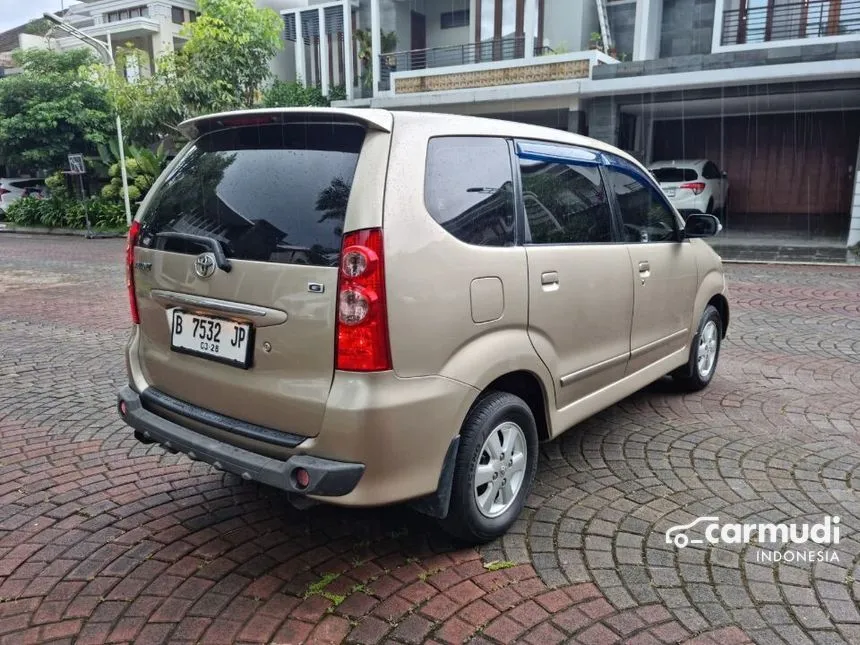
[
  {"x": 670, "y": 192},
  {"x": 213, "y": 338}
]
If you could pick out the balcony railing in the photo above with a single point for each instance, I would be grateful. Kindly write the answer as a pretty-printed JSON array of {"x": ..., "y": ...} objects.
[
  {"x": 466, "y": 54},
  {"x": 812, "y": 19}
]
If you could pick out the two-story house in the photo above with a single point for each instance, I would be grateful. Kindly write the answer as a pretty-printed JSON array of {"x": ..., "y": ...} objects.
[
  {"x": 151, "y": 26},
  {"x": 767, "y": 89}
]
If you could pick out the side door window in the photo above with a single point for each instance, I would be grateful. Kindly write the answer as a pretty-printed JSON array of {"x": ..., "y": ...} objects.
[
  {"x": 645, "y": 215},
  {"x": 469, "y": 189},
  {"x": 564, "y": 197}
]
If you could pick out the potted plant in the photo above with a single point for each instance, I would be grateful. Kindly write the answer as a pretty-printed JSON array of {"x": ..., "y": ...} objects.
[{"x": 596, "y": 41}]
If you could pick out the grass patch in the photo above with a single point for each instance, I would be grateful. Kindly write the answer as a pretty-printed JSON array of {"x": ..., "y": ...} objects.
[
  {"x": 335, "y": 599},
  {"x": 318, "y": 588},
  {"x": 498, "y": 565}
]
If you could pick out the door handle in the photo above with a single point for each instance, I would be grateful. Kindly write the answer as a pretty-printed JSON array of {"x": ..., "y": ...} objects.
[
  {"x": 644, "y": 271},
  {"x": 549, "y": 277}
]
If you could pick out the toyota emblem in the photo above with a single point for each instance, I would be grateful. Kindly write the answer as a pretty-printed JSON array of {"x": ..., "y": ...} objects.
[{"x": 204, "y": 265}]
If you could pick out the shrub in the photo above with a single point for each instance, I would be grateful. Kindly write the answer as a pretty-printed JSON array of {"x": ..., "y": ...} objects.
[
  {"x": 25, "y": 212},
  {"x": 106, "y": 213},
  {"x": 293, "y": 94},
  {"x": 62, "y": 212}
]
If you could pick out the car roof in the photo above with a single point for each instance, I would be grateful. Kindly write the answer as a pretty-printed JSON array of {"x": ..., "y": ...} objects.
[
  {"x": 678, "y": 163},
  {"x": 440, "y": 123},
  {"x": 433, "y": 123}
]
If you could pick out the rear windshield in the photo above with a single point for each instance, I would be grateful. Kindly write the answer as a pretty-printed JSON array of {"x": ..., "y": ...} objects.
[
  {"x": 271, "y": 193},
  {"x": 669, "y": 175}
]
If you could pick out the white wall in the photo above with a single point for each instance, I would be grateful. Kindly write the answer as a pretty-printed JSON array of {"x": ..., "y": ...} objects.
[
  {"x": 31, "y": 41},
  {"x": 438, "y": 37},
  {"x": 280, "y": 5},
  {"x": 569, "y": 23},
  {"x": 854, "y": 227},
  {"x": 283, "y": 65},
  {"x": 403, "y": 25}
]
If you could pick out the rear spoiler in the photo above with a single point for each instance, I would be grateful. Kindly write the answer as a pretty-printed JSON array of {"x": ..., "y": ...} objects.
[{"x": 374, "y": 119}]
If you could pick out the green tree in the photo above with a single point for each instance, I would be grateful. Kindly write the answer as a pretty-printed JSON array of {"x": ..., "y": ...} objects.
[
  {"x": 53, "y": 107},
  {"x": 151, "y": 106},
  {"x": 223, "y": 65},
  {"x": 226, "y": 59}
]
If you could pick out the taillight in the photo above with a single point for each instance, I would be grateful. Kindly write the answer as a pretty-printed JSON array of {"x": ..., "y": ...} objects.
[
  {"x": 362, "y": 319},
  {"x": 697, "y": 187},
  {"x": 133, "y": 233},
  {"x": 3, "y": 191}
]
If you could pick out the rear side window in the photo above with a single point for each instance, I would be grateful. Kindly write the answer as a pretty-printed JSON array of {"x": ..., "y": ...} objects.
[
  {"x": 271, "y": 193},
  {"x": 672, "y": 175},
  {"x": 469, "y": 189},
  {"x": 710, "y": 171}
]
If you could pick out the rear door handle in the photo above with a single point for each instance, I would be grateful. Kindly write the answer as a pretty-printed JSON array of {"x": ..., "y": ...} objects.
[
  {"x": 549, "y": 277},
  {"x": 644, "y": 271}
]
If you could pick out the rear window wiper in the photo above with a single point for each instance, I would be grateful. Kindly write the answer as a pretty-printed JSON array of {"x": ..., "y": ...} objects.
[{"x": 210, "y": 243}]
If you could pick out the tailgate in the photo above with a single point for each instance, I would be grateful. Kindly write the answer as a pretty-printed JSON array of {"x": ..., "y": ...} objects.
[{"x": 249, "y": 335}]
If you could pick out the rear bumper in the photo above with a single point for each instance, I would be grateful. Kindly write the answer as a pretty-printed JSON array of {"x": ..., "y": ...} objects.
[
  {"x": 691, "y": 203},
  {"x": 327, "y": 477}
]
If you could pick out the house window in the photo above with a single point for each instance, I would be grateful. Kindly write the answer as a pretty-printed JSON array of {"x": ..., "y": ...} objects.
[
  {"x": 178, "y": 15},
  {"x": 454, "y": 19},
  {"x": 127, "y": 14},
  {"x": 500, "y": 28}
]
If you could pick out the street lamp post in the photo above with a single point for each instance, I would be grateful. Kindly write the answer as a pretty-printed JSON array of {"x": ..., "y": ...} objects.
[{"x": 107, "y": 55}]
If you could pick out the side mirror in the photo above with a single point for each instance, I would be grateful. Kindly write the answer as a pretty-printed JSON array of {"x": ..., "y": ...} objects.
[{"x": 702, "y": 225}]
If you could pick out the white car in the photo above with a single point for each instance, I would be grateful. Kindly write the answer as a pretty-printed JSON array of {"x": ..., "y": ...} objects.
[
  {"x": 693, "y": 185},
  {"x": 14, "y": 188}
]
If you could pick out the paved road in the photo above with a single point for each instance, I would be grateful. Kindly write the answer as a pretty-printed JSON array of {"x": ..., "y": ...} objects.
[{"x": 104, "y": 540}]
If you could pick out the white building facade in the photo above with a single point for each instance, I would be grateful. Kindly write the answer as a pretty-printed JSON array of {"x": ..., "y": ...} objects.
[{"x": 767, "y": 89}]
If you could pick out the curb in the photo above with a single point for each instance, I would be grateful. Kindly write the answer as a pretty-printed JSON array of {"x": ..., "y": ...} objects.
[
  {"x": 67, "y": 232},
  {"x": 803, "y": 263}
]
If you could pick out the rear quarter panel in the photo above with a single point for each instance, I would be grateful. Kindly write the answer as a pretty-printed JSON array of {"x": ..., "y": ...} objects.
[{"x": 429, "y": 276}]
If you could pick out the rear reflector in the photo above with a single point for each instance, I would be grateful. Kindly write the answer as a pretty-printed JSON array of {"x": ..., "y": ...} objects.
[
  {"x": 133, "y": 233},
  {"x": 362, "y": 317},
  {"x": 303, "y": 478}
]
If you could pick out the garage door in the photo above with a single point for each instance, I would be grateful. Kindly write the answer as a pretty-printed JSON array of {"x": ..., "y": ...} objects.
[{"x": 787, "y": 171}]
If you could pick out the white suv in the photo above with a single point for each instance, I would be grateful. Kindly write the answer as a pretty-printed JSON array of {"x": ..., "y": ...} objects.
[{"x": 693, "y": 185}]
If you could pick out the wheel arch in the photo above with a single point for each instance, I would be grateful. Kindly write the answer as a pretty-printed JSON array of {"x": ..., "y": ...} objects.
[
  {"x": 721, "y": 304},
  {"x": 529, "y": 387}
]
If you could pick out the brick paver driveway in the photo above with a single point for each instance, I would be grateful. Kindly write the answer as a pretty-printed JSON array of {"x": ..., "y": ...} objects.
[{"x": 105, "y": 540}]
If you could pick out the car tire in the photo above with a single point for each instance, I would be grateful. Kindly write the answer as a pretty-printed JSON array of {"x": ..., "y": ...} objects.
[
  {"x": 499, "y": 428},
  {"x": 704, "y": 354}
]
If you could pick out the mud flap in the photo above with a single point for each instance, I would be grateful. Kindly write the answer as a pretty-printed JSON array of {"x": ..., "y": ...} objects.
[{"x": 436, "y": 503}]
